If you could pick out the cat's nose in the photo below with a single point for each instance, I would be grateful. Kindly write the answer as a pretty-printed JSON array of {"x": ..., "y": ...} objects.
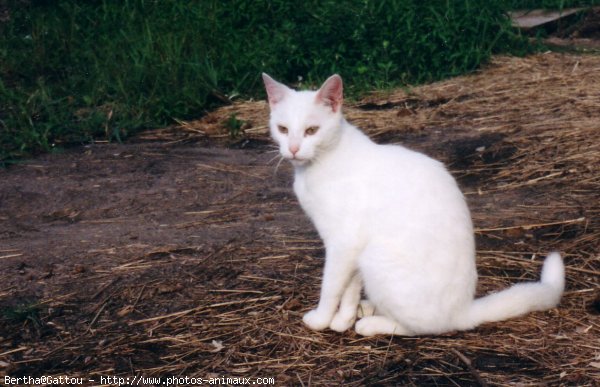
[{"x": 294, "y": 149}]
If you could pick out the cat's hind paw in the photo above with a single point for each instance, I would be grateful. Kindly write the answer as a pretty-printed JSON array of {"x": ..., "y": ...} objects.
[
  {"x": 316, "y": 321},
  {"x": 380, "y": 325}
]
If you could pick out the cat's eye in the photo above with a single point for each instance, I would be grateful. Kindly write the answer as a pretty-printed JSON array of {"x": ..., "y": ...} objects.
[
  {"x": 311, "y": 130},
  {"x": 282, "y": 129}
]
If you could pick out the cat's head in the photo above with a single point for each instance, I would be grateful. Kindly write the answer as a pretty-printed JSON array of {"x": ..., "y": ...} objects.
[{"x": 305, "y": 123}]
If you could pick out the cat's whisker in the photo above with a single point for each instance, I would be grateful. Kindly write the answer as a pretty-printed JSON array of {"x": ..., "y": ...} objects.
[
  {"x": 274, "y": 158},
  {"x": 278, "y": 164}
]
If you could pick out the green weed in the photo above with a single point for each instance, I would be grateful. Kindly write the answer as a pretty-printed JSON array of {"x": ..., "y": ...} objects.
[
  {"x": 73, "y": 71},
  {"x": 234, "y": 126},
  {"x": 22, "y": 313}
]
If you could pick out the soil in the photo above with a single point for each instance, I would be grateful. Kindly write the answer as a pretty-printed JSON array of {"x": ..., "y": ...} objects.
[{"x": 139, "y": 197}]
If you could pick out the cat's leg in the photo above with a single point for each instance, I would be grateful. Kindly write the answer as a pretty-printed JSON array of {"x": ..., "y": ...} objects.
[
  {"x": 346, "y": 315},
  {"x": 365, "y": 309},
  {"x": 338, "y": 271},
  {"x": 380, "y": 325}
]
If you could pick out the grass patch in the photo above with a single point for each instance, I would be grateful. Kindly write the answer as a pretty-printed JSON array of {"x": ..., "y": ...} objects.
[
  {"x": 23, "y": 312},
  {"x": 74, "y": 72}
]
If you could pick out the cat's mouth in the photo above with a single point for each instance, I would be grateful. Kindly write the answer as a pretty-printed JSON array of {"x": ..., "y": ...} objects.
[
  {"x": 293, "y": 158},
  {"x": 297, "y": 161}
]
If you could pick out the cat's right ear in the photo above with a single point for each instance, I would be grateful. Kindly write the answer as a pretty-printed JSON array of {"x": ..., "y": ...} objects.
[
  {"x": 275, "y": 90},
  {"x": 332, "y": 92}
]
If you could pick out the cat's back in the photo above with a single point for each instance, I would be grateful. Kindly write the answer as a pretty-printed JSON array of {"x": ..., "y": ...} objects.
[
  {"x": 359, "y": 161},
  {"x": 393, "y": 165},
  {"x": 382, "y": 175}
]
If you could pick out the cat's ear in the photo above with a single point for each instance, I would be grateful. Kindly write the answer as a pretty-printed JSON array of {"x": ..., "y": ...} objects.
[
  {"x": 275, "y": 91},
  {"x": 332, "y": 93}
]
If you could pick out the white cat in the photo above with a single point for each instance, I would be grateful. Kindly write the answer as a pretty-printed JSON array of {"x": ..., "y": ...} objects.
[{"x": 392, "y": 220}]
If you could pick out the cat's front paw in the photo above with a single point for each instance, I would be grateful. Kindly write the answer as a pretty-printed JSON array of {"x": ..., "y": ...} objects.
[
  {"x": 341, "y": 323},
  {"x": 316, "y": 321}
]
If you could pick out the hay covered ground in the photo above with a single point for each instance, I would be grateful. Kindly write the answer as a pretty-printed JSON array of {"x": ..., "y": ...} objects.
[{"x": 184, "y": 253}]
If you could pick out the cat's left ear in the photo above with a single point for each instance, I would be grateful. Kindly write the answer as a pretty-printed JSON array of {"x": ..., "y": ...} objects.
[
  {"x": 332, "y": 92},
  {"x": 275, "y": 91}
]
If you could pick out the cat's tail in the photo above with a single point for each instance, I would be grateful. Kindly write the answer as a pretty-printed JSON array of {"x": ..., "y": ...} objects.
[{"x": 522, "y": 298}]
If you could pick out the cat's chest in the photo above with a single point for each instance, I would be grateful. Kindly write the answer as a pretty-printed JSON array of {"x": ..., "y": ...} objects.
[
  {"x": 326, "y": 199},
  {"x": 308, "y": 198}
]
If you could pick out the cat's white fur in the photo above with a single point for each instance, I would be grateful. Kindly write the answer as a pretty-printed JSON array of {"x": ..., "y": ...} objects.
[{"x": 394, "y": 222}]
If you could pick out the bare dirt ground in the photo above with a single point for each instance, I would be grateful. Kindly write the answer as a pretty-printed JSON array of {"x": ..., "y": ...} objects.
[{"x": 182, "y": 253}]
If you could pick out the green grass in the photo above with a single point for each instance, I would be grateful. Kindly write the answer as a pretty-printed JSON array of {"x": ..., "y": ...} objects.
[
  {"x": 72, "y": 72},
  {"x": 22, "y": 312}
]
